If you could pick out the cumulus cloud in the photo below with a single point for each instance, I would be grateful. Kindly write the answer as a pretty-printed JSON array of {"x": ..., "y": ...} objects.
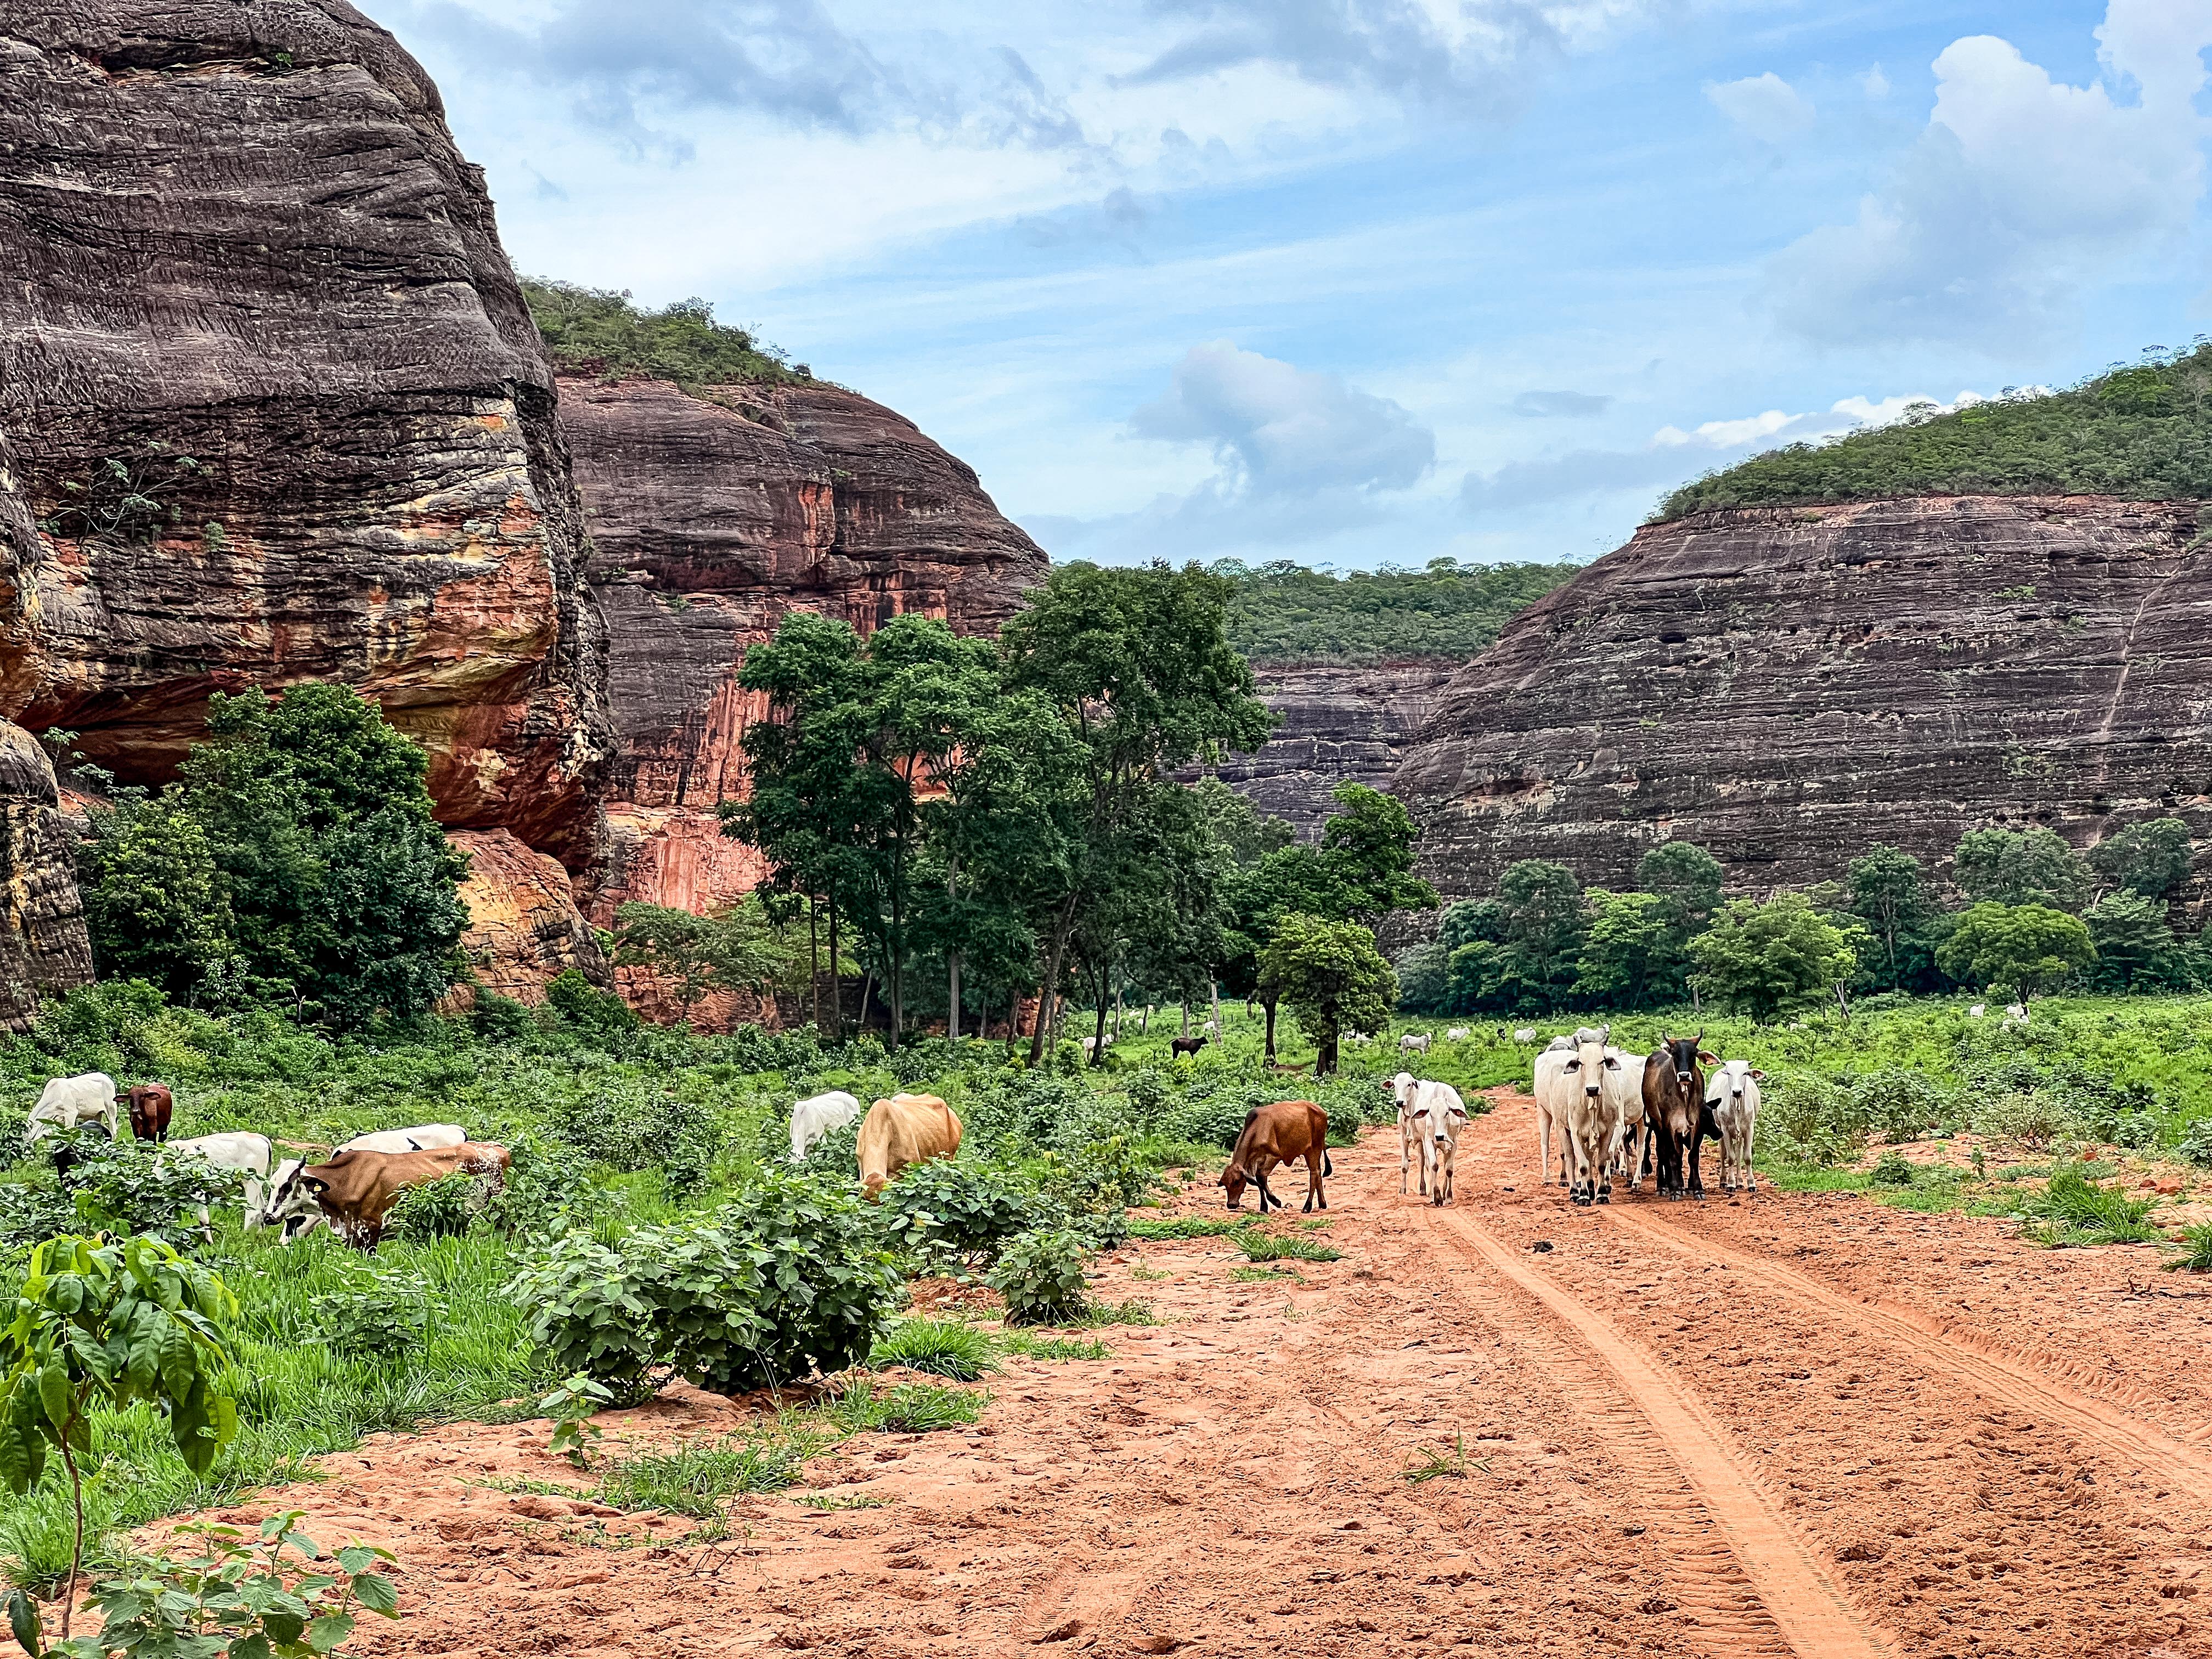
[
  {"x": 1765, "y": 105},
  {"x": 623, "y": 64},
  {"x": 1874, "y": 84},
  {"x": 1561, "y": 405},
  {"x": 2021, "y": 193},
  {"x": 1278, "y": 430}
]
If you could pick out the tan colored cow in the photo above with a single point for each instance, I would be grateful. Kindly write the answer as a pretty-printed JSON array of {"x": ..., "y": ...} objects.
[
  {"x": 355, "y": 1190},
  {"x": 903, "y": 1130}
]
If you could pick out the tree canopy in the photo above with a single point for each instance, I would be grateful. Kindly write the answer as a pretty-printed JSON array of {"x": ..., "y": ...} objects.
[
  {"x": 599, "y": 332},
  {"x": 1287, "y": 612},
  {"x": 1761, "y": 957},
  {"x": 2021, "y": 947}
]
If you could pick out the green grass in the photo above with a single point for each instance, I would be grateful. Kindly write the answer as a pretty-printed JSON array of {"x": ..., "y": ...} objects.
[
  {"x": 909, "y": 1408},
  {"x": 1252, "y": 1275},
  {"x": 946, "y": 1346},
  {"x": 1433, "y": 1465},
  {"x": 1279, "y": 1247},
  {"x": 1185, "y": 1226},
  {"x": 1132, "y": 1312},
  {"x": 2073, "y": 1210},
  {"x": 2196, "y": 1248},
  {"x": 1055, "y": 1348},
  {"x": 696, "y": 1479},
  {"x": 834, "y": 1501}
]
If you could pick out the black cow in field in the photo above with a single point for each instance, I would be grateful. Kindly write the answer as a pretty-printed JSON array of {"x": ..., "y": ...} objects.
[
  {"x": 1675, "y": 1109},
  {"x": 1186, "y": 1045}
]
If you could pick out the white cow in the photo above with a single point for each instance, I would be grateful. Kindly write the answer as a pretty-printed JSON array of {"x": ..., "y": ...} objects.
[
  {"x": 816, "y": 1116},
  {"x": 1977, "y": 1011},
  {"x": 1525, "y": 1034},
  {"x": 67, "y": 1102},
  {"x": 1457, "y": 1034},
  {"x": 1624, "y": 1100},
  {"x": 239, "y": 1150},
  {"x": 2016, "y": 1013},
  {"x": 1732, "y": 1097},
  {"x": 1580, "y": 1099},
  {"x": 1402, "y": 1089},
  {"x": 1414, "y": 1042},
  {"x": 1438, "y": 1115},
  {"x": 422, "y": 1137},
  {"x": 1547, "y": 1067}
]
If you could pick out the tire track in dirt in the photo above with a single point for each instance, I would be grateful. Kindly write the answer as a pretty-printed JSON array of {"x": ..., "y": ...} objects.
[
  {"x": 1749, "y": 1579},
  {"x": 2178, "y": 1463}
]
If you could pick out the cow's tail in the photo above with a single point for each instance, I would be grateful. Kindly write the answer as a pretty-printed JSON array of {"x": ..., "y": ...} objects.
[{"x": 1326, "y": 1168}]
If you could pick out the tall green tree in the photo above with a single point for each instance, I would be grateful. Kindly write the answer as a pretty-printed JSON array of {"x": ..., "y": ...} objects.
[
  {"x": 2030, "y": 866},
  {"x": 735, "y": 949},
  {"x": 1761, "y": 956},
  {"x": 155, "y": 901},
  {"x": 2134, "y": 941},
  {"x": 1630, "y": 956},
  {"x": 1686, "y": 880},
  {"x": 1889, "y": 894},
  {"x": 2152, "y": 858},
  {"x": 1332, "y": 978},
  {"x": 1138, "y": 666},
  {"x": 1541, "y": 914},
  {"x": 2023, "y": 947}
]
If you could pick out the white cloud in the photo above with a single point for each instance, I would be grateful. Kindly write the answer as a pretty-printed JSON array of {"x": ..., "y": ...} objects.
[
  {"x": 2021, "y": 191},
  {"x": 1874, "y": 84},
  {"x": 1734, "y": 435},
  {"x": 1276, "y": 429},
  {"x": 1765, "y": 105}
]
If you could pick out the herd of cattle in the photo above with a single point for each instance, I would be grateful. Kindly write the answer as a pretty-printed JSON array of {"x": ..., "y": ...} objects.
[{"x": 1614, "y": 1113}]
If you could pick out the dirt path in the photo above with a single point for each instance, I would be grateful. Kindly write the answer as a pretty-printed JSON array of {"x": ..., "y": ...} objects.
[{"x": 1771, "y": 1425}]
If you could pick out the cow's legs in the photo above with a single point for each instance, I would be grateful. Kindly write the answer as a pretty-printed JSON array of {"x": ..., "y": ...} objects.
[{"x": 1697, "y": 1158}]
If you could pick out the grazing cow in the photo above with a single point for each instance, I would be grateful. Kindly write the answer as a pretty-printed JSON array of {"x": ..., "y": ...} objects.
[
  {"x": 1092, "y": 1046},
  {"x": 1209, "y": 1029},
  {"x": 1977, "y": 1011},
  {"x": 422, "y": 1137},
  {"x": 1186, "y": 1045},
  {"x": 1457, "y": 1034},
  {"x": 249, "y": 1153},
  {"x": 1732, "y": 1098},
  {"x": 2016, "y": 1013},
  {"x": 1438, "y": 1115},
  {"x": 355, "y": 1190},
  {"x": 1525, "y": 1034},
  {"x": 1414, "y": 1042},
  {"x": 151, "y": 1108},
  {"x": 1279, "y": 1133},
  {"x": 1674, "y": 1107},
  {"x": 67, "y": 1102},
  {"x": 1547, "y": 1066},
  {"x": 1580, "y": 1100},
  {"x": 816, "y": 1116},
  {"x": 903, "y": 1130}
]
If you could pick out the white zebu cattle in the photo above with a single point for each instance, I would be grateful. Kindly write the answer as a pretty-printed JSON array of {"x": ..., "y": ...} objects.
[
  {"x": 1732, "y": 1097},
  {"x": 1624, "y": 1100},
  {"x": 1580, "y": 1099},
  {"x": 1547, "y": 1067},
  {"x": 67, "y": 1102},
  {"x": 1414, "y": 1042},
  {"x": 1402, "y": 1087},
  {"x": 238, "y": 1149},
  {"x": 1438, "y": 1115},
  {"x": 1457, "y": 1034},
  {"x": 422, "y": 1137},
  {"x": 1525, "y": 1034},
  {"x": 816, "y": 1116}
]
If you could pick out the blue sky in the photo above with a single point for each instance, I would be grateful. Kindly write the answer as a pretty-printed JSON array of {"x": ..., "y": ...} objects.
[{"x": 1359, "y": 282}]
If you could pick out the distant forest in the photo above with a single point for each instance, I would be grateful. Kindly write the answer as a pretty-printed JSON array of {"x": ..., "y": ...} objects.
[
  {"x": 1283, "y": 612},
  {"x": 2140, "y": 431},
  {"x": 596, "y": 331}
]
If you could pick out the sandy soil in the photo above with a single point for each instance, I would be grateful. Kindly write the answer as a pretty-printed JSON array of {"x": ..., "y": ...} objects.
[{"x": 1774, "y": 1423}]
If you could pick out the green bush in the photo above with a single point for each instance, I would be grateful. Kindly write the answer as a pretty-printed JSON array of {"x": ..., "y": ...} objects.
[
  {"x": 638, "y": 1129},
  {"x": 828, "y": 1287},
  {"x": 496, "y": 1018},
  {"x": 379, "y": 1312},
  {"x": 549, "y": 1188},
  {"x": 2029, "y": 1116},
  {"x": 1902, "y": 1105},
  {"x": 444, "y": 1208},
  {"x": 966, "y": 1208},
  {"x": 32, "y": 1213},
  {"x": 2082, "y": 1212},
  {"x": 1810, "y": 1120},
  {"x": 1041, "y": 1275},
  {"x": 2195, "y": 1143},
  {"x": 946, "y": 1347},
  {"x": 1891, "y": 1169},
  {"x": 126, "y": 1187},
  {"x": 583, "y": 1007}
]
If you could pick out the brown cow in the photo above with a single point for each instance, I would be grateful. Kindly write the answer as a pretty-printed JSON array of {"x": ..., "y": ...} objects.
[
  {"x": 356, "y": 1190},
  {"x": 1187, "y": 1045},
  {"x": 903, "y": 1130},
  {"x": 151, "y": 1105},
  {"x": 1277, "y": 1134}
]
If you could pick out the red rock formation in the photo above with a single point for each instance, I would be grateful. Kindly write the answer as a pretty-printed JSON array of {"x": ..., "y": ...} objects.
[
  {"x": 714, "y": 515},
  {"x": 44, "y": 951},
  {"x": 270, "y": 385},
  {"x": 1787, "y": 687},
  {"x": 1340, "y": 722},
  {"x": 524, "y": 927}
]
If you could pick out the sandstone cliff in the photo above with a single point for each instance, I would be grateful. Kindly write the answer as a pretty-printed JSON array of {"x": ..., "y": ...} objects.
[
  {"x": 270, "y": 394},
  {"x": 1340, "y": 722},
  {"x": 44, "y": 949},
  {"x": 1788, "y": 686},
  {"x": 711, "y": 515}
]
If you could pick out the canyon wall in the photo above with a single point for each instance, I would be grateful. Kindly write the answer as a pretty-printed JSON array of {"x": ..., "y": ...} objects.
[
  {"x": 1786, "y": 687},
  {"x": 275, "y": 410},
  {"x": 711, "y": 515},
  {"x": 1341, "y": 722}
]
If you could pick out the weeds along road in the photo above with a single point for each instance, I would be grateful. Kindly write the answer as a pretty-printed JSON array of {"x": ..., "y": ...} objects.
[{"x": 1781, "y": 1424}]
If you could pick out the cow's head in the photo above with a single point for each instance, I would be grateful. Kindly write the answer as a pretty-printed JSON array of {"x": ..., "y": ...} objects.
[
  {"x": 1402, "y": 1087},
  {"x": 1735, "y": 1075},
  {"x": 1683, "y": 1054},
  {"x": 1234, "y": 1179},
  {"x": 1441, "y": 1121},
  {"x": 1589, "y": 1064}
]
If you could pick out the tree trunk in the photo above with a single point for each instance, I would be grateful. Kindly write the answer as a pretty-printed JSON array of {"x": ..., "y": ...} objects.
[
  {"x": 1098, "y": 1041},
  {"x": 1269, "y": 1005},
  {"x": 1144, "y": 1026},
  {"x": 1183, "y": 1005},
  {"x": 1325, "y": 1063},
  {"x": 814, "y": 957},
  {"x": 952, "y": 996},
  {"x": 1049, "y": 991},
  {"x": 1213, "y": 989},
  {"x": 1842, "y": 1005},
  {"x": 1119, "y": 981},
  {"x": 867, "y": 992},
  {"x": 836, "y": 983}
]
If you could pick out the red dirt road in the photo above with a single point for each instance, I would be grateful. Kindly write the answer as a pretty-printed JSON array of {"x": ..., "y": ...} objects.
[{"x": 1781, "y": 1424}]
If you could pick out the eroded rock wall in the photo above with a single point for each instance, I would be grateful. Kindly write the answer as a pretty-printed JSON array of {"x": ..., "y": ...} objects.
[
  {"x": 269, "y": 389},
  {"x": 44, "y": 949},
  {"x": 1788, "y": 687},
  {"x": 525, "y": 925},
  {"x": 714, "y": 515},
  {"x": 1341, "y": 722}
]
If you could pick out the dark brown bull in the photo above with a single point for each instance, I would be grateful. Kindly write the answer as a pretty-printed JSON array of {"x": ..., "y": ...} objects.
[
  {"x": 1674, "y": 1109},
  {"x": 1186, "y": 1045},
  {"x": 151, "y": 1107}
]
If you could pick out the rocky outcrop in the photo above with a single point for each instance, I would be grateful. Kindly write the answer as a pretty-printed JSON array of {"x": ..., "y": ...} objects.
[
  {"x": 1341, "y": 722},
  {"x": 44, "y": 949},
  {"x": 269, "y": 391},
  {"x": 525, "y": 926},
  {"x": 712, "y": 516},
  {"x": 1787, "y": 687}
]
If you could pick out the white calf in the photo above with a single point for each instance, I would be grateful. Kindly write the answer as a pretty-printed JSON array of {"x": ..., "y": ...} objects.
[
  {"x": 1414, "y": 1042},
  {"x": 1732, "y": 1097},
  {"x": 1402, "y": 1089},
  {"x": 1978, "y": 1010},
  {"x": 1525, "y": 1034},
  {"x": 1457, "y": 1034},
  {"x": 66, "y": 1102},
  {"x": 816, "y": 1116},
  {"x": 237, "y": 1151},
  {"x": 1438, "y": 1115}
]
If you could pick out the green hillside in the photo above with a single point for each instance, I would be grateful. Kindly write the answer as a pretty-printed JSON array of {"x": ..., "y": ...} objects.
[
  {"x": 2143, "y": 433},
  {"x": 1286, "y": 612},
  {"x": 596, "y": 331}
]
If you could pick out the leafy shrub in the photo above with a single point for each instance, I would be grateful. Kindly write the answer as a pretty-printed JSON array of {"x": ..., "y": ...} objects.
[
  {"x": 751, "y": 1049},
  {"x": 1212, "y": 1122},
  {"x": 378, "y": 1312},
  {"x": 30, "y": 1213},
  {"x": 1891, "y": 1169},
  {"x": 827, "y": 1288},
  {"x": 129, "y": 1186},
  {"x": 1295, "y": 1247},
  {"x": 1812, "y": 1120},
  {"x": 549, "y": 1188},
  {"x": 444, "y": 1208},
  {"x": 2028, "y": 1116},
  {"x": 2084, "y": 1213},
  {"x": 496, "y": 1018},
  {"x": 2135, "y": 1130},
  {"x": 946, "y": 1347},
  {"x": 1901, "y": 1105},
  {"x": 638, "y": 1129},
  {"x": 1150, "y": 1094},
  {"x": 2196, "y": 1142},
  {"x": 965, "y": 1207},
  {"x": 2195, "y": 1256},
  {"x": 584, "y": 1008},
  {"x": 1039, "y": 1274}
]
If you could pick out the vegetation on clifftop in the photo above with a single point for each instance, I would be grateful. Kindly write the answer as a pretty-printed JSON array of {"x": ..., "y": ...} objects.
[
  {"x": 599, "y": 332},
  {"x": 2142, "y": 432},
  {"x": 1284, "y": 612}
]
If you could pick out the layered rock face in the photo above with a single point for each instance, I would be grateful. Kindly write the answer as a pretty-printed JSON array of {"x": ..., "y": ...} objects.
[
  {"x": 524, "y": 924},
  {"x": 1788, "y": 687},
  {"x": 714, "y": 515},
  {"x": 274, "y": 409},
  {"x": 44, "y": 949},
  {"x": 1341, "y": 722}
]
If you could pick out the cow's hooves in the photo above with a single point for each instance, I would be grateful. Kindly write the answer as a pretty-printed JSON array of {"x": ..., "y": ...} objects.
[{"x": 1605, "y": 1198}]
